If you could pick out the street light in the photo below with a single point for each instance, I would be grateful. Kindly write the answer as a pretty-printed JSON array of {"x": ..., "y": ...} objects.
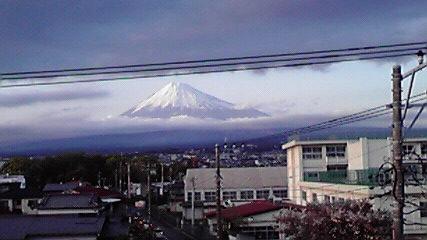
[{"x": 420, "y": 57}]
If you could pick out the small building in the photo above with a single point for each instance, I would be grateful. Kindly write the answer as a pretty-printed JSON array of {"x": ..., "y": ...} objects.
[
  {"x": 31, "y": 227},
  {"x": 19, "y": 200},
  {"x": 254, "y": 220},
  {"x": 239, "y": 186},
  {"x": 7, "y": 182},
  {"x": 70, "y": 204},
  {"x": 176, "y": 196}
]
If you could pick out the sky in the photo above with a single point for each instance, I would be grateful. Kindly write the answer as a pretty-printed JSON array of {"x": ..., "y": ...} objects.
[{"x": 43, "y": 35}]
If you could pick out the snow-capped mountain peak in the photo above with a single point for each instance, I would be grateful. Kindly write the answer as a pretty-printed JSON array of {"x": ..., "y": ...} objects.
[{"x": 180, "y": 99}]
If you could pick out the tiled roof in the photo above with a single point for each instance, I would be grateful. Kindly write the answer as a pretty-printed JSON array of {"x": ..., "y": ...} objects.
[
  {"x": 17, "y": 227},
  {"x": 69, "y": 201},
  {"x": 245, "y": 210},
  {"x": 26, "y": 193},
  {"x": 60, "y": 187},
  {"x": 250, "y": 209},
  {"x": 238, "y": 178},
  {"x": 100, "y": 192}
]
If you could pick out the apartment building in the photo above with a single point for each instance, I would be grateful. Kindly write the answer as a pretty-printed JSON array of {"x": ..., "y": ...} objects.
[{"x": 336, "y": 170}]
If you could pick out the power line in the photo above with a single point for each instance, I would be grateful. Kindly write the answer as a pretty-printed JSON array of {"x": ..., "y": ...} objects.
[
  {"x": 204, "y": 71},
  {"x": 227, "y": 64},
  {"x": 351, "y": 118},
  {"x": 223, "y": 59}
]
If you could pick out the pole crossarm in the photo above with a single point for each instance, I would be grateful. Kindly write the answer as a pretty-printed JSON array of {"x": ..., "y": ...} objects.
[{"x": 414, "y": 70}]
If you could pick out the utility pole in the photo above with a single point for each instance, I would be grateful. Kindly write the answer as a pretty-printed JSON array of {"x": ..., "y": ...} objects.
[
  {"x": 397, "y": 154},
  {"x": 218, "y": 194},
  {"x": 128, "y": 166},
  {"x": 162, "y": 179},
  {"x": 149, "y": 190},
  {"x": 120, "y": 173},
  {"x": 192, "y": 200}
]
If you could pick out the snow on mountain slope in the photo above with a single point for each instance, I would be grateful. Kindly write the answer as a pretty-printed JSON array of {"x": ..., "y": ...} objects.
[{"x": 180, "y": 99}]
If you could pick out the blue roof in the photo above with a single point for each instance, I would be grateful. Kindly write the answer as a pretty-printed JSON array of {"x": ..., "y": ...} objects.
[
  {"x": 16, "y": 227},
  {"x": 70, "y": 201}
]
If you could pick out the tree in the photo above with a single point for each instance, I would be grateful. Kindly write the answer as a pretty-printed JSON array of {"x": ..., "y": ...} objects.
[{"x": 354, "y": 220}]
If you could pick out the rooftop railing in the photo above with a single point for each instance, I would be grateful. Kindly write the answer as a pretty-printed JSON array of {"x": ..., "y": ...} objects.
[{"x": 367, "y": 177}]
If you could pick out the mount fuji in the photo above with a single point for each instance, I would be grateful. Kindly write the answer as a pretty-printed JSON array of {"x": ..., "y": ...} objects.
[{"x": 180, "y": 99}]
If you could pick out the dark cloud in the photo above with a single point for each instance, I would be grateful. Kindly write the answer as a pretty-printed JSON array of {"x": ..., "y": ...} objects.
[
  {"x": 9, "y": 100},
  {"x": 56, "y": 34}
]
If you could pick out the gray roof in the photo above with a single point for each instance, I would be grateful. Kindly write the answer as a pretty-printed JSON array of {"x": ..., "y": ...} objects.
[
  {"x": 26, "y": 193},
  {"x": 60, "y": 187},
  {"x": 69, "y": 201},
  {"x": 16, "y": 227},
  {"x": 237, "y": 178}
]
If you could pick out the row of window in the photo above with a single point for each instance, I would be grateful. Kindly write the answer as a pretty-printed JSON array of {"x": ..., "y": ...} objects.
[
  {"x": 315, "y": 152},
  {"x": 408, "y": 149},
  {"x": 210, "y": 196},
  {"x": 326, "y": 198}
]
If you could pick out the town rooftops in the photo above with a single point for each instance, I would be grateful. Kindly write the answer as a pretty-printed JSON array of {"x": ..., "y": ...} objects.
[
  {"x": 250, "y": 209},
  {"x": 100, "y": 192},
  {"x": 237, "y": 178},
  {"x": 26, "y": 193},
  {"x": 60, "y": 187},
  {"x": 69, "y": 201},
  {"x": 17, "y": 227}
]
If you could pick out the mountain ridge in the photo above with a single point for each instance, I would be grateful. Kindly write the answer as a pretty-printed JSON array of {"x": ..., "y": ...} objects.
[{"x": 180, "y": 99}]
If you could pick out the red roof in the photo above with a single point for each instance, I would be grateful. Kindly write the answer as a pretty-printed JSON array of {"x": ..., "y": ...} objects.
[
  {"x": 245, "y": 210},
  {"x": 100, "y": 192}
]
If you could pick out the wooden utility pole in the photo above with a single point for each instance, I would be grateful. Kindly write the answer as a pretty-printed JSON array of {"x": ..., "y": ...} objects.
[
  {"x": 397, "y": 155},
  {"x": 193, "y": 179},
  {"x": 149, "y": 190},
  {"x": 218, "y": 195},
  {"x": 120, "y": 173},
  {"x": 129, "y": 187}
]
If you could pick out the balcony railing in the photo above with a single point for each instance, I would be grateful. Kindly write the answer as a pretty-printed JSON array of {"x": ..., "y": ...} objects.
[{"x": 355, "y": 177}]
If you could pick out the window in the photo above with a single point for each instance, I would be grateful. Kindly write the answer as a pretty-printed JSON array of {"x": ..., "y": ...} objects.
[
  {"x": 304, "y": 195},
  {"x": 32, "y": 204},
  {"x": 282, "y": 193},
  {"x": 424, "y": 168},
  {"x": 384, "y": 178},
  {"x": 197, "y": 196},
  {"x": 333, "y": 199},
  {"x": 226, "y": 195},
  {"x": 247, "y": 195},
  {"x": 423, "y": 209},
  {"x": 341, "y": 200},
  {"x": 407, "y": 149},
  {"x": 313, "y": 174},
  {"x": 335, "y": 151},
  {"x": 311, "y": 152},
  {"x": 315, "y": 197},
  {"x": 327, "y": 199},
  {"x": 210, "y": 196},
  {"x": 262, "y": 194},
  {"x": 424, "y": 149}
]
